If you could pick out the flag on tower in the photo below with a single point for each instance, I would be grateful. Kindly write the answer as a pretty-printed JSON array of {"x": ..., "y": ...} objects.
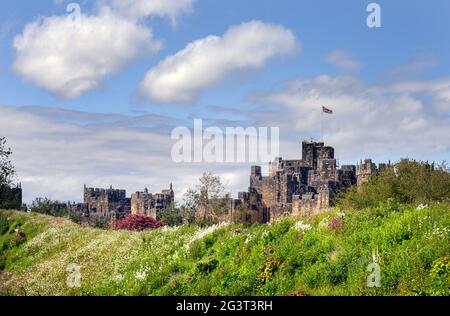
[{"x": 327, "y": 110}]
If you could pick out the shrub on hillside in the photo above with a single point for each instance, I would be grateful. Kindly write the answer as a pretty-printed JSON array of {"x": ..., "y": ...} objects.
[
  {"x": 101, "y": 222},
  {"x": 49, "y": 207},
  {"x": 408, "y": 182},
  {"x": 76, "y": 217},
  {"x": 137, "y": 223},
  {"x": 207, "y": 265}
]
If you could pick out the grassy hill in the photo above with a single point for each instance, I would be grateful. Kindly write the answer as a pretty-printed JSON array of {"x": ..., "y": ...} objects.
[{"x": 326, "y": 255}]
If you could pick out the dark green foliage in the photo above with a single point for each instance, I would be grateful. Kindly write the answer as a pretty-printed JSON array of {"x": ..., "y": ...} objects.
[
  {"x": 10, "y": 197},
  {"x": 408, "y": 182},
  {"x": 49, "y": 207},
  {"x": 4, "y": 223},
  {"x": 207, "y": 265},
  {"x": 76, "y": 217},
  {"x": 171, "y": 216},
  {"x": 101, "y": 223},
  {"x": 7, "y": 170}
]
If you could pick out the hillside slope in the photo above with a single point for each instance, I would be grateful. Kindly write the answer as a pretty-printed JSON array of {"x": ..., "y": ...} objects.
[{"x": 327, "y": 255}]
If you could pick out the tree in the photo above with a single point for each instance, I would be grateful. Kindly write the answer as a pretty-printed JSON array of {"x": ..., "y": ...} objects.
[
  {"x": 10, "y": 198},
  {"x": 171, "y": 215},
  {"x": 191, "y": 201},
  {"x": 208, "y": 201},
  {"x": 7, "y": 170}
]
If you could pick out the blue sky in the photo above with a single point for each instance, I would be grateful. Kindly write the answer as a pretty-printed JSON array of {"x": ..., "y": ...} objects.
[
  {"x": 411, "y": 30},
  {"x": 404, "y": 60}
]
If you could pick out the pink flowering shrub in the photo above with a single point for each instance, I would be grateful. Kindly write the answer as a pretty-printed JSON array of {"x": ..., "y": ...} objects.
[{"x": 137, "y": 223}]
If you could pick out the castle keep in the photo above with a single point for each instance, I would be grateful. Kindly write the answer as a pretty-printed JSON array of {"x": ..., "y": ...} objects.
[
  {"x": 106, "y": 201},
  {"x": 298, "y": 187}
]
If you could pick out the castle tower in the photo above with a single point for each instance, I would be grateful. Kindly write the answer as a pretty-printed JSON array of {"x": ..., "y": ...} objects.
[
  {"x": 313, "y": 152},
  {"x": 364, "y": 170}
]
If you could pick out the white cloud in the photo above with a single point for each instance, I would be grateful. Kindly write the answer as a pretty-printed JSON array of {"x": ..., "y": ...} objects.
[
  {"x": 137, "y": 9},
  {"x": 368, "y": 121},
  {"x": 412, "y": 68},
  {"x": 343, "y": 60},
  {"x": 207, "y": 61},
  {"x": 68, "y": 59},
  {"x": 56, "y": 152},
  {"x": 439, "y": 89}
]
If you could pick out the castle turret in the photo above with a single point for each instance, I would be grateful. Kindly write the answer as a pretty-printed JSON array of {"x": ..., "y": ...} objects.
[
  {"x": 312, "y": 152},
  {"x": 364, "y": 170}
]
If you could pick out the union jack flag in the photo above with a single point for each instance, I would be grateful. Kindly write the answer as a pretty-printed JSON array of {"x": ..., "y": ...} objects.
[{"x": 327, "y": 110}]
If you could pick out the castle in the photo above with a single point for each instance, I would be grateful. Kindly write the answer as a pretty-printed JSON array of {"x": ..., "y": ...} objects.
[
  {"x": 113, "y": 203},
  {"x": 298, "y": 187},
  {"x": 301, "y": 187}
]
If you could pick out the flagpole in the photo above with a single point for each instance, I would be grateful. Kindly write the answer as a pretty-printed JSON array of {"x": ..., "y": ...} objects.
[{"x": 321, "y": 135}]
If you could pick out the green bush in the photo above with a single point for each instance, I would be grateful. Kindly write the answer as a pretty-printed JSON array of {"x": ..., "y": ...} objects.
[
  {"x": 76, "y": 217},
  {"x": 101, "y": 223},
  {"x": 195, "y": 249},
  {"x": 407, "y": 182},
  {"x": 2, "y": 262},
  {"x": 207, "y": 265},
  {"x": 171, "y": 216}
]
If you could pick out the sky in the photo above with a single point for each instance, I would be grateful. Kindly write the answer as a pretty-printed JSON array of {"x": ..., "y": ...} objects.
[{"x": 93, "y": 100}]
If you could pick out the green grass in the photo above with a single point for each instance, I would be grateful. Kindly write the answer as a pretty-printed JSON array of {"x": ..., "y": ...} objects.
[{"x": 284, "y": 258}]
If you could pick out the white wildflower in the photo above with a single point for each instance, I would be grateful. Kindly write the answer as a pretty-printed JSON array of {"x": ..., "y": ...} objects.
[
  {"x": 118, "y": 278},
  {"x": 440, "y": 232},
  {"x": 169, "y": 229},
  {"x": 300, "y": 226},
  {"x": 140, "y": 275},
  {"x": 422, "y": 207},
  {"x": 206, "y": 231},
  {"x": 324, "y": 222}
]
